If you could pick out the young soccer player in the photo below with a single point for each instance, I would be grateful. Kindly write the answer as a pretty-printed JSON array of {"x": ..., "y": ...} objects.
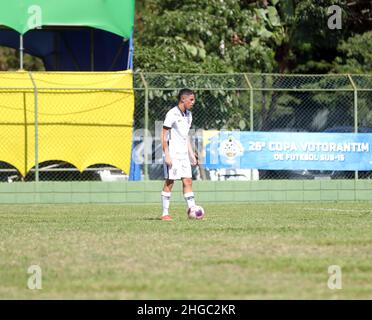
[{"x": 177, "y": 149}]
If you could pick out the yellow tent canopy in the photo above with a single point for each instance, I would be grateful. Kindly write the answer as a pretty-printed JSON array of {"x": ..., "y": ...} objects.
[{"x": 83, "y": 118}]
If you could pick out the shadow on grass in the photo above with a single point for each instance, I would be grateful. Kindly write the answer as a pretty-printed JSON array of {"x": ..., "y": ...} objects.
[{"x": 150, "y": 219}]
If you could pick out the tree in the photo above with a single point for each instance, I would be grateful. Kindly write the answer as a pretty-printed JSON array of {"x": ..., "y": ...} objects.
[
  {"x": 9, "y": 61},
  {"x": 208, "y": 36},
  {"x": 309, "y": 46},
  {"x": 249, "y": 36},
  {"x": 356, "y": 54}
]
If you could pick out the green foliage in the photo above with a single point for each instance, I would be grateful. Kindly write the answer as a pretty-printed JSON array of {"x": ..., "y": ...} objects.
[
  {"x": 258, "y": 36},
  {"x": 189, "y": 36},
  {"x": 219, "y": 102},
  {"x": 311, "y": 45},
  {"x": 289, "y": 36},
  {"x": 9, "y": 61},
  {"x": 356, "y": 55}
]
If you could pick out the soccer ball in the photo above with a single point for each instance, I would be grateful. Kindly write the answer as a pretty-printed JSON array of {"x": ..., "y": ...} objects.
[{"x": 196, "y": 212}]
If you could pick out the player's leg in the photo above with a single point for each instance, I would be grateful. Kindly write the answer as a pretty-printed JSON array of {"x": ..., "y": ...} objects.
[
  {"x": 187, "y": 183},
  {"x": 166, "y": 192},
  {"x": 187, "y": 192},
  {"x": 165, "y": 196}
]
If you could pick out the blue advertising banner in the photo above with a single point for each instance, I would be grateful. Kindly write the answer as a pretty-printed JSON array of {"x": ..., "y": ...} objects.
[{"x": 289, "y": 151}]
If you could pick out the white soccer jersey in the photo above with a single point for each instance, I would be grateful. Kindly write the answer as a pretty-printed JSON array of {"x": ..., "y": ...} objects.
[{"x": 179, "y": 124}]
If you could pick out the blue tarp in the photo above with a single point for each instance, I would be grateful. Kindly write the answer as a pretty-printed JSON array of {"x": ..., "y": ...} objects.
[
  {"x": 72, "y": 49},
  {"x": 135, "y": 168}
]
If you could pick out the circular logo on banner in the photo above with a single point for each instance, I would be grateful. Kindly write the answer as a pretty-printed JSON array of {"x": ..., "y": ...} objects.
[{"x": 231, "y": 148}]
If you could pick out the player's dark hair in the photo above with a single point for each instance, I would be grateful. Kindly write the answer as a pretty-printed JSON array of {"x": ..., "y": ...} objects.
[{"x": 185, "y": 92}]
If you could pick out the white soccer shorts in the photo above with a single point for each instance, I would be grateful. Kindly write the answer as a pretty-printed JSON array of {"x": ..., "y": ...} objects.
[{"x": 181, "y": 168}]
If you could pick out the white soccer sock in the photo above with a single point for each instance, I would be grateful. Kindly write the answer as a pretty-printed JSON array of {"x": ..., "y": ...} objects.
[
  {"x": 165, "y": 196},
  {"x": 189, "y": 197}
]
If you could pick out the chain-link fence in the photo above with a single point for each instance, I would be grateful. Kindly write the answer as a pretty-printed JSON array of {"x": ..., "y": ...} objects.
[
  {"x": 256, "y": 102},
  {"x": 67, "y": 120}
]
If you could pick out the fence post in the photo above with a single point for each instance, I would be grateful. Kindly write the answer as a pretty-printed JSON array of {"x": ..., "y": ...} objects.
[
  {"x": 21, "y": 52},
  {"x": 355, "y": 111},
  {"x": 251, "y": 119},
  {"x": 145, "y": 142},
  {"x": 36, "y": 111}
]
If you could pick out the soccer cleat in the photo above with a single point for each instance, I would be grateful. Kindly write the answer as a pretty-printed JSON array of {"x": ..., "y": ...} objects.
[{"x": 166, "y": 218}]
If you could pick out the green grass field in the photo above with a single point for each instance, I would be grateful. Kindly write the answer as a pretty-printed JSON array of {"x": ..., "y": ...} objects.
[{"x": 240, "y": 251}]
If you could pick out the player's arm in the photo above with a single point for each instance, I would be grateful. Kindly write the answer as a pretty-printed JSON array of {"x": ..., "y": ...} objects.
[
  {"x": 164, "y": 143},
  {"x": 194, "y": 160}
]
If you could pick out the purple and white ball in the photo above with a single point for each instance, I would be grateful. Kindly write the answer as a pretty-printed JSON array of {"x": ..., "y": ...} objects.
[{"x": 196, "y": 212}]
